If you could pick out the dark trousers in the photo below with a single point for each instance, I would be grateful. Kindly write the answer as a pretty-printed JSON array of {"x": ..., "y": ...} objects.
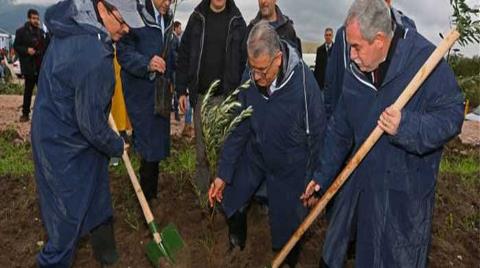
[
  {"x": 30, "y": 82},
  {"x": 149, "y": 178},
  {"x": 202, "y": 175}
]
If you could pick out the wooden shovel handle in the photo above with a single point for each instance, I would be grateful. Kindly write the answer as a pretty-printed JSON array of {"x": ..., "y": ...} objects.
[
  {"x": 136, "y": 186},
  {"x": 375, "y": 135}
]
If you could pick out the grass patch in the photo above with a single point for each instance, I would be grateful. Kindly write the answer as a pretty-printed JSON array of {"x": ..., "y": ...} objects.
[
  {"x": 15, "y": 155},
  {"x": 181, "y": 161},
  {"x": 11, "y": 89},
  {"x": 467, "y": 167},
  {"x": 121, "y": 171}
]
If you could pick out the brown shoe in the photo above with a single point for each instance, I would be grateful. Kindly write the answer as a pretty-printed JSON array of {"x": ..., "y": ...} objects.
[{"x": 24, "y": 118}]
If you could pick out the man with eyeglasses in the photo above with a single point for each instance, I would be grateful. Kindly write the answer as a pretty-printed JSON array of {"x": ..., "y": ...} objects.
[
  {"x": 139, "y": 54},
  {"x": 323, "y": 52},
  {"x": 71, "y": 139},
  {"x": 339, "y": 59},
  {"x": 386, "y": 206},
  {"x": 277, "y": 144}
]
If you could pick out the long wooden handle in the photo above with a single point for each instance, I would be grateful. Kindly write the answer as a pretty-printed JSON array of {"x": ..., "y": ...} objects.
[
  {"x": 375, "y": 135},
  {"x": 136, "y": 186}
]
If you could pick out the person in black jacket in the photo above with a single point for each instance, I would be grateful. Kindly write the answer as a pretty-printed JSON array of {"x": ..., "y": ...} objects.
[
  {"x": 323, "y": 52},
  {"x": 30, "y": 44},
  {"x": 283, "y": 25},
  {"x": 214, "y": 26}
]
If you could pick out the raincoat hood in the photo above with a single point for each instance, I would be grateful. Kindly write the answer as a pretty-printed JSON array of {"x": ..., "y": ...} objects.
[
  {"x": 289, "y": 62},
  {"x": 73, "y": 17}
]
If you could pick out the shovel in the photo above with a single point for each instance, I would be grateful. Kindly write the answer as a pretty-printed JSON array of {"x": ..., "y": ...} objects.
[
  {"x": 375, "y": 135},
  {"x": 168, "y": 241}
]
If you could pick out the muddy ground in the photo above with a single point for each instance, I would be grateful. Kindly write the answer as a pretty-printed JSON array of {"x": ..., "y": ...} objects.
[{"x": 455, "y": 243}]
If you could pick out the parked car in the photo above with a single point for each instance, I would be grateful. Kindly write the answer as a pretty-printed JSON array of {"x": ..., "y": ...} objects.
[{"x": 309, "y": 59}]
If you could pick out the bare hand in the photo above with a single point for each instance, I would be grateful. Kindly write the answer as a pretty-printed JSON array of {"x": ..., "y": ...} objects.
[
  {"x": 31, "y": 51},
  {"x": 390, "y": 120},
  {"x": 215, "y": 193},
  {"x": 126, "y": 146},
  {"x": 307, "y": 197},
  {"x": 157, "y": 64},
  {"x": 182, "y": 103}
]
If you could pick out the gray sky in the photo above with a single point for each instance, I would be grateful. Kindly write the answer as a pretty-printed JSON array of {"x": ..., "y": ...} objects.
[{"x": 312, "y": 16}]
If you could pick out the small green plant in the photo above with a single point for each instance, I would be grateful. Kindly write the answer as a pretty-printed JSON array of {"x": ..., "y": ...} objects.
[
  {"x": 471, "y": 88},
  {"x": 464, "y": 17},
  {"x": 207, "y": 241},
  {"x": 128, "y": 207},
  {"x": 218, "y": 120},
  {"x": 449, "y": 221}
]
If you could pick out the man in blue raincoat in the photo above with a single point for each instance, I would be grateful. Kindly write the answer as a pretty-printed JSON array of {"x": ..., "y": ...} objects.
[
  {"x": 71, "y": 139},
  {"x": 276, "y": 144},
  {"x": 387, "y": 203},
  {"x": 339, "y": 60},
  {"x": 139, "y": 56}
]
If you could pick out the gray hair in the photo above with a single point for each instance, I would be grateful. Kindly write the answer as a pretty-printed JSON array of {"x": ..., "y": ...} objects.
[
  {"x": 263, "y": 39},
  {"x": 373, "y": 16}
]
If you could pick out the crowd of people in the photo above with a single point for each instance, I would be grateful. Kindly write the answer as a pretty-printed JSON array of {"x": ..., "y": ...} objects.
[{"x": 304, "y": 127}]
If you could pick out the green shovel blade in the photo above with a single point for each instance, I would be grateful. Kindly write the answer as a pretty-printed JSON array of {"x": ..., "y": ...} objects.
[{"x": 171, "y": 243}]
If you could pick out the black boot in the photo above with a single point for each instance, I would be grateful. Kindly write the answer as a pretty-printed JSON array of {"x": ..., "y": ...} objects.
[
  {"x": 149, "y": 178},
  {"x": 237, "y": 229},
  {"x": 103, "y": 243}
]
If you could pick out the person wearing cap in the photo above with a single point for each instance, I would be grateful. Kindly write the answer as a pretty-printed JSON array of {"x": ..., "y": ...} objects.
[
  {"x": 139, "y": 55},
  {"x": 71, "y": 139}
]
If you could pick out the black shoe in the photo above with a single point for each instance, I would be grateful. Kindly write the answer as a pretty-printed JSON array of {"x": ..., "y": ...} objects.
[
  {"x": 24, "y": 118},
  {"x": 237, "y": 229},
  {"x": 103, "y": 243}
]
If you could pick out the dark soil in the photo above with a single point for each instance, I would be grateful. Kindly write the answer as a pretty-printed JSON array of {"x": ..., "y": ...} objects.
[{"x": 455, "y": 240}]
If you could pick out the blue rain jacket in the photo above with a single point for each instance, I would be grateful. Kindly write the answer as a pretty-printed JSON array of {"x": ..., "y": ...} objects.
[
  {"x": 387, "y": 203},
  {"x": 71, "y": 139},
  {"x": 134, "y": 51},
  {"x": 272, "y": 146},
  {"x": 339, "y": 60}
]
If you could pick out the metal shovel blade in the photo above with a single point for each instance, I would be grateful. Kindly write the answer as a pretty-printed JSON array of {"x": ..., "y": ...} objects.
[{"x": 170, "y": 245}]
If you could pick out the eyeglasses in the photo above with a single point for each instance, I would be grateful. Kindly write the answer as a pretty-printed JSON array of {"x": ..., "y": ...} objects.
[
  {"x": 110, "y": 10},
  {"x": 262, "y": 73}
]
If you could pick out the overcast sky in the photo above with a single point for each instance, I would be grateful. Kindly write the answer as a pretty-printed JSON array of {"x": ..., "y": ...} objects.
[{"x": 312, "y": 16}]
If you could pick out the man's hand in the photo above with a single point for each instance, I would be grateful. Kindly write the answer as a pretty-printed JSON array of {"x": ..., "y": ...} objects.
[
  {"x": 157, "y": 64},
  {"x": 390, "y": 120},
  {"x": 125, "y": 146},
  {"x": 31, "y": 51},
  {"x": 182, "y": 103},
  {"x": 307, "y": 197},
  {"x": 215, "y": 193}
]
